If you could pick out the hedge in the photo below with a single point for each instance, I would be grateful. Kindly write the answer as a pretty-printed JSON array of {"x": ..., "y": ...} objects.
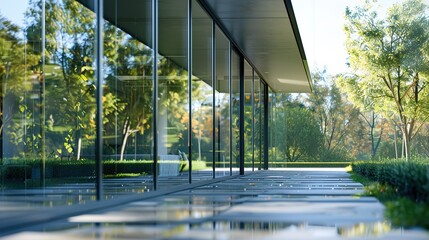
[
  {"x": 308, "y": 164},
  {"x": 83, "y": 168},
  {"x": 408, "y": 178}
]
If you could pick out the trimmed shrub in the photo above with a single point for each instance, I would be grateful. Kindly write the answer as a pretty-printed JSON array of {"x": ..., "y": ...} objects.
[
  {"x": 408, "y": 178},
  {"x": 307, "y": 164},
  {"x": 15, "y": 172}
]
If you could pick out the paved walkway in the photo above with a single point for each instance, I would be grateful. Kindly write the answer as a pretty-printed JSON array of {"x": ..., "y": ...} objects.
[{"x": 291, "y": 204}]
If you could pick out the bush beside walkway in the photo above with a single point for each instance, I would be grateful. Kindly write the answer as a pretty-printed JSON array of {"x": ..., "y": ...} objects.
[
  {"x": 407, "y": 178},
  {"x": 402, "y": 186}
]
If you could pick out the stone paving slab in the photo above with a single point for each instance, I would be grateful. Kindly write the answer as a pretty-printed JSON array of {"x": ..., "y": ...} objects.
[{"x": 288, "y": 204}]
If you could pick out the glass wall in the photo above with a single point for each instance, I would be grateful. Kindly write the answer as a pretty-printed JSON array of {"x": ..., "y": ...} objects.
[
  {"x": 222, "y": 106},
  {"x": 248, "y": 117},
  {"x": 128, "y": 91},
  {"x": 202, "y": 94},
  {"x": 162, "y": 112},
  {"x": 173, "y": 91},
  {"x": 47, "y": 97},
  {"x": 235, "y": 111},
  {"x": 263, "y": 129},
  {"x": 271, "y": 133},
  {"x": 258, "y": 124}
]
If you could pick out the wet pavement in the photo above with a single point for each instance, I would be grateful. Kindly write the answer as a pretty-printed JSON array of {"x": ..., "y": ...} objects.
[{"x": 287, "y": 204}]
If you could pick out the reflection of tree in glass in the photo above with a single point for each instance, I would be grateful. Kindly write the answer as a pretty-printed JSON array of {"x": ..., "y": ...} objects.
[
  {"x": 68, "y": 71},
  {"x": 129, "y": 67},
  {"x": 14, "y": 67},
  {"x": 202, "y": 116},
  {"x": 173, "y": 106}
]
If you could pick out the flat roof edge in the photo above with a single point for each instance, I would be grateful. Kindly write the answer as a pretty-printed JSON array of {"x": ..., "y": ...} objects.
[{"x": 294, "y": 24}]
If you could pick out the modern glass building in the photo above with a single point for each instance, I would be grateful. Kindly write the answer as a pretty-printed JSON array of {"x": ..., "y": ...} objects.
[{"x": 101, "y": 99}]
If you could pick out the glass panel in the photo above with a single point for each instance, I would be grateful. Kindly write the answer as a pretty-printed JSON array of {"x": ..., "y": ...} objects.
[
  {"x": 235, "y": 105},
  {"x": 47, "y": 101},
  {"x": 223, "y": 133},
  {"x": 128, "y": 96},
  {"x": 202, "y": 94},
  {"x": 263, "y": 96},
  {"x": 257, "y": 140},
  {"x": 271, "y": 112},
  {"x": 173, "y": 105},
  {"x": 248, "y": 116}
]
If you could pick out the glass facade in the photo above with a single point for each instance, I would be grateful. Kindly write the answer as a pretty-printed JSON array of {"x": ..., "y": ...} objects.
[
  {"x": 128, "y": 90},
  {"x": 257, "y": 123},
  {"x": 222, "y": 105},
  {"x": 271, "y": 133},
  {"x": 248, "y": 117},
  {"x": 48, "y": 100},
  {"x": 202, "y": 93},
  {"x": 264, "y": 123},
  {"x": 235, "y": 111},
  {"x": 175, "y": 93}
]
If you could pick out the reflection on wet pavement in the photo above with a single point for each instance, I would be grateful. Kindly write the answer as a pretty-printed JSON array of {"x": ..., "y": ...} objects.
[{"x": 262, "y": 205}]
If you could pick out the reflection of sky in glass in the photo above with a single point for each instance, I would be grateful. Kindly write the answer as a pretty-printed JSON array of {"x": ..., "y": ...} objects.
[{"x": 14, "y": 11}]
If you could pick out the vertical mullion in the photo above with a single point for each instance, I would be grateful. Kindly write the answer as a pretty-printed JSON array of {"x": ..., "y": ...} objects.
[
  {"x": 155, "y": 89},
  {"x": 190, "y": 87},
  {"x": 241, "y": 116},
  {"x": 99, "y": 102},
  {"x": 214, "y": 96}
]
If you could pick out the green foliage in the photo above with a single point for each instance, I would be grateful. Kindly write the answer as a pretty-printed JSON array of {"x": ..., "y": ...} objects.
[
  {"x": 408, "y": 213},
  {"x": 22, "y": 169},
  {"x": 196, "y": 165},
  {"x": 298, "y": 133},
  {"x": 390, "y": 61},
  {"x": 15, "y": 172},
  {"x": 309, "y": 164},
  {"x": 407, "y": 178},
  {"x": 126, "y": 167},
  {"x": 14, "y": 66},
  {"x": 402, "y": 211},
  {"x": 337, "y": 118}
]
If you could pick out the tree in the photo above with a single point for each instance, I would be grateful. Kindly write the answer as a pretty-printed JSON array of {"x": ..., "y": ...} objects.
[
  {"x": 296, "y": 132},
  {"x": 338, "y": 120},
  {"x": 299, "y": 134},
  {"x": 67, "y": 92},
  {"x": 390, "y": 60},
  {"x": 129, "y": 65},
  {"x": 14, "y": 67},
  {"x": 376, "y": 129}
]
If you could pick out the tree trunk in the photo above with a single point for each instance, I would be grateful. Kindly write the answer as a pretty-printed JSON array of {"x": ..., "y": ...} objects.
[
  {"x": 407, "y": 140},
  {"x": 395, "y": 138},
  {"x": 199, "y": 146},
  {"x": 79, "y": 147},
  {"x": 124, "y": 143}
]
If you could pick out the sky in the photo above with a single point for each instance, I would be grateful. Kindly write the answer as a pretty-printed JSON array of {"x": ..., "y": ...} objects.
[
  {"x": 14, "y": 10},
  {"x": 320, "y": 24}
]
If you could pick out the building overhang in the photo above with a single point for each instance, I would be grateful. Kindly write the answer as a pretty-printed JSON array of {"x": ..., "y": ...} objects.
[{"x": 266, "y": 32}]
